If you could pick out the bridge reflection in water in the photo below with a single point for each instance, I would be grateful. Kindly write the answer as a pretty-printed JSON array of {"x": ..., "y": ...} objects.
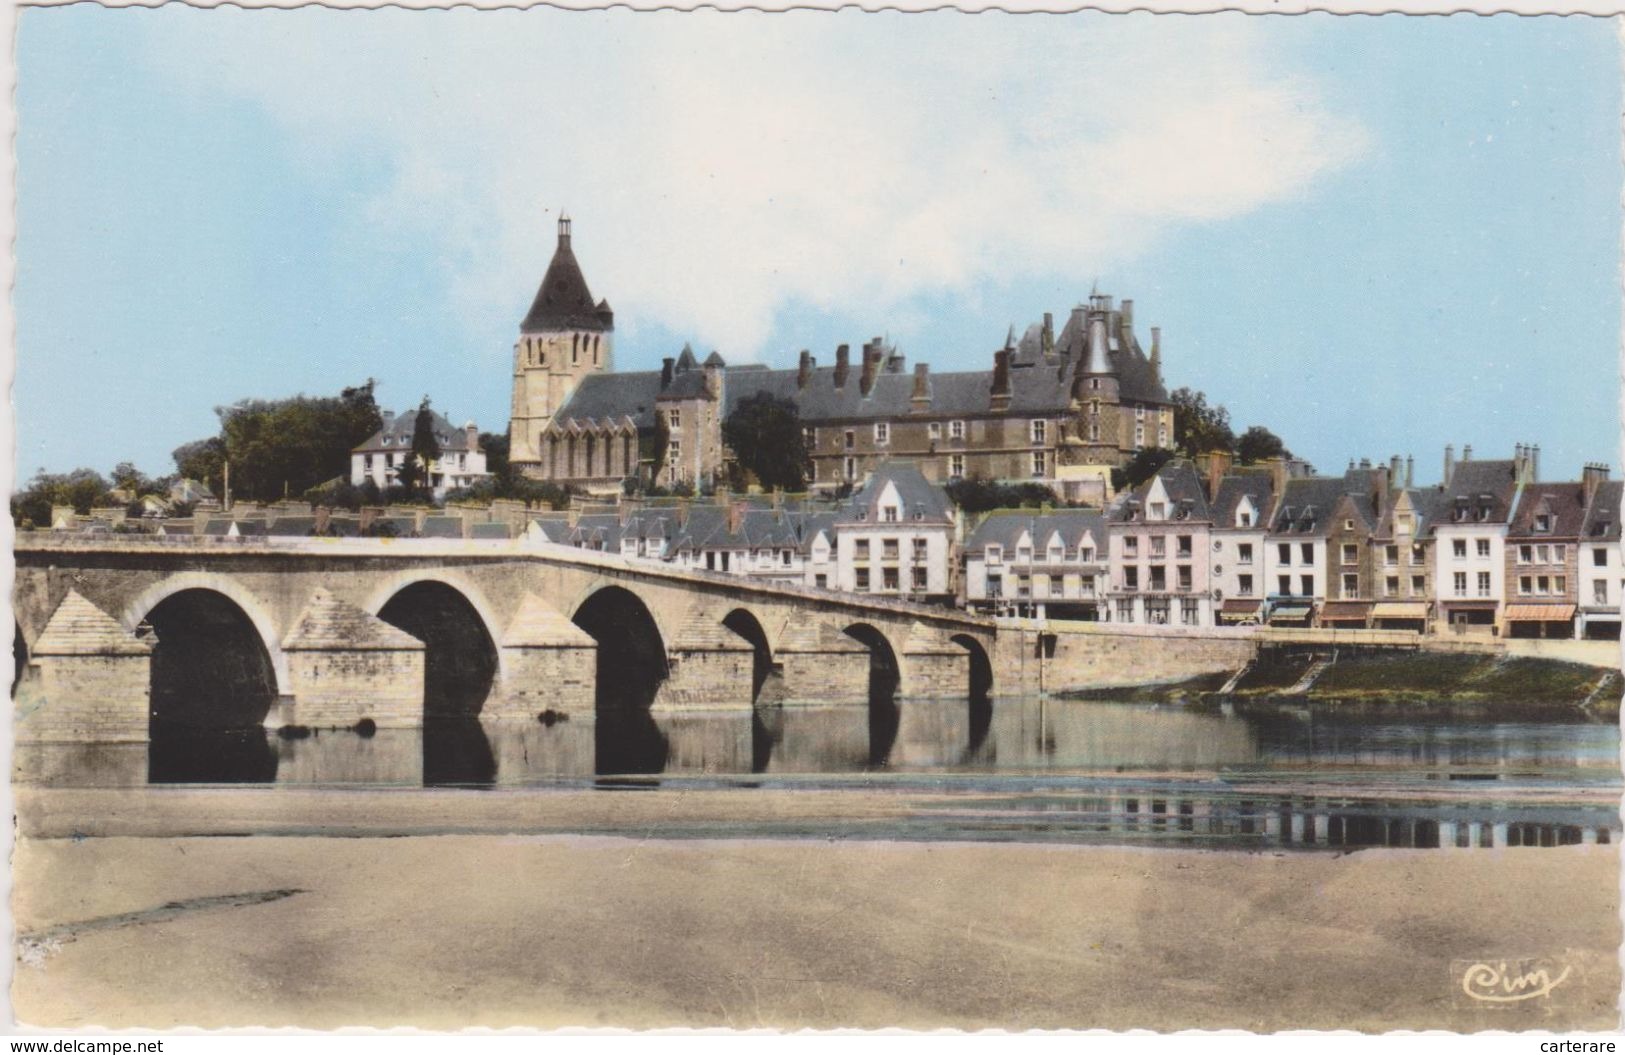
[{"x": 1024, "y": 769}]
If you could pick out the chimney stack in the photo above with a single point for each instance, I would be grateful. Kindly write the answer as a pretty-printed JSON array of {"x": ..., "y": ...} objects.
[
  {"x": 1156, "y": 352},
  {"x": 922, "y": 387},
  {"x": 1534, "y": 464},
  {"x": 1394, "y": 478},
  {"x": 871, "y": 366},
  {"x": 1000, "y": 392},
  {"x": 1128, "y": 315},
  {"x": 1048, "y": 340},
  {"x": 1467, "y": 453},
  {"x": 1410, "y": 471},
  {"x": 804, "y": 369},
  {"x": 1591, "y": 478},
  {"x": 667, "y": 366},
  {"x": 843, "y": 365},
  {"x": 1449, "y": 462}
]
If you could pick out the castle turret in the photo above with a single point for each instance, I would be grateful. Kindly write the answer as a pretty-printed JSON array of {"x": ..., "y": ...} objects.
[{"x": 565, "y": 336}]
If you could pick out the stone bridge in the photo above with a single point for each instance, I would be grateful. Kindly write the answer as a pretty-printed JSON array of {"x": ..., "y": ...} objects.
[{"x": 324, "y": 633}]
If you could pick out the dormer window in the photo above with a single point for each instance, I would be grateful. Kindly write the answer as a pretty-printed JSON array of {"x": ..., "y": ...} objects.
[
  {"x": 995, "y": 553},
  {"x": 1157, "y": 511},
  {"x": 1543, "y": 522},
  {"x": 1244, "y": 518},
  {"x": 888, "y": 514}
]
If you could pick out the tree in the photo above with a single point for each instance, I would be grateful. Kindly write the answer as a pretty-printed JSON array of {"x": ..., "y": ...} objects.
[
  {"x": 1142, "y": 467},
  {"x": 496, "y": 446},
  {"x": 764, "y": 433},
  {"x": 1259, "y": 443},
  {"x": 652, "y": 447},
  {"x": 81, "y": 489},
  {"x": 979, "y": 496},
  {"x": 204, "y": 461},
  {"x": 1199, "y": 428},
  {"x": 126, "y": 477},
  {"x": 424, "y": 443},
  {"x": 276, "y": 446}
]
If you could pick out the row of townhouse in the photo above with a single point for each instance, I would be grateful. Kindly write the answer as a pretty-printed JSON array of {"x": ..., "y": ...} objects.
[
  {"x": 897, "y": 536},
  {"x": 1491, "y": 550}
]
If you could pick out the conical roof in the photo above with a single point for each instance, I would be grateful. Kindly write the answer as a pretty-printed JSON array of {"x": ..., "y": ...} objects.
[
  {"x": 79, "y": 628},
  {"x": 329, "y": 624},
  {"x": 563, "y": 301},
  {"x": 540, "y": 625}
]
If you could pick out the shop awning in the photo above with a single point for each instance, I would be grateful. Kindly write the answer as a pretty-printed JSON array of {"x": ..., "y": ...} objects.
[
  {"x": 1289, "y": 612},
  {"x": 1540, "y": 613},
  {"x": 1478, "y": 606},
  {"x": 1343, "y": 610},
  {"x": 1240, "y": 607},
  {"x": 1399, "y": 610}
]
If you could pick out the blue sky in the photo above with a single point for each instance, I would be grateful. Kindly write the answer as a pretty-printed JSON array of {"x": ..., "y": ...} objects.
[{"x": 1374, "y": 235}]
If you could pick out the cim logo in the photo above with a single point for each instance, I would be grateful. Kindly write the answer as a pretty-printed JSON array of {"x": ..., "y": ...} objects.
[{"x": 1507, "y": 982}]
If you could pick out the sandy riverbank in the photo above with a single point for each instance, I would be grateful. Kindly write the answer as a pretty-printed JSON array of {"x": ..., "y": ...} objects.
[{"x": 558, "y": 930}]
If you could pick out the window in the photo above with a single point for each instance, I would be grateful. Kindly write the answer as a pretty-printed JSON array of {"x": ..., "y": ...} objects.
[
  {"x": 1184, "y": 576},
  {"x": 784, "y": 558},
  {"x": 956, "y": 466},
  {"x": 995, "y": 586},
  {"x": 1156, "y": 611},
  {"x": 1162, "y": 437},
  {"x": 934, "y": 430},
  {"x": 1139, "y": 413},
  {"x": 1244, "y": 585},
  {"x": 1560, "y": 584},
  {"x": 1038, "y": 463},
  {"x": 919, "y": 549},
  {"x": 1543, "y": 584},
  {"x": 1024, "y": 555},
  {"x": 1390, "y": 555},
  {"x": 1599, "y": 557},
  {"x": 674, "y": 418},
  {"x": 809, "y": 436},
  {"x": 1351, "y": 585},
  {"x": 1125, "y": 611},
  {"x": 1526, "y": 554},
  {"x": 1348, "y": 525},
  {"x": 1244, "y": 518},
  {"x": 1159, "y": 546},
  {"x": 882, "y": 433},
  {"x": 1483, "y": 547},
  {"x": 851, "y": 468},
  {"x": 1057, "y": 585},
  {"x": 1419, "y": 586},
  {"x": 1459, "y": 580},
  {"x": 1024, "y": 586},
  {"x": 1184, "y": 545},
  {"x": 919, "y": 580},
  {"x": 995, "y": 553},
  {"x": 1131, "y": 578},
  {"x": 1139, "y": 441},
  {"x": 1390, "y": 586},
  {"x": 1131, "y": 545},
  {"x": 1559, "y": 553},
  {"x": 367, "y": 461},
  {"x": 821, "y": 581},
  {"x": 860, "y": 549},
  {"x": 888, "y": 549},
  {"x": 1543, "y": 522},
  {"x": 1283, "y": 552},
  {"x": 1086, "y": 585},
  {"x": 674, "y": 455},
  {"x": 1308, "y": 584},
  {"x": 851, "y": 439},
  {"x": 1055, "y": 554},
  {"x": 1086, "y": 555},
  {"x": 1283, "y": 584},
  {"x": 1526, "y": 585},
  {"x": 1351, "y": 553},
  {"x": 1599, "y": 591},
  {"x": 1158, "y": 511},
  {"x": 1159, "y": 577},
  {"x": 860, "y": 579},
  {"x": 888, "y": 514},
  {"x": 1244, "y": 553},
  {"x": 1190, "y": 611},
  {"x": 1483, "y": 584},
  {"x": 956, "y": 430},
  {"x": 888, "y": 580},
  {"x": 1458, "y": 548},
  {"x": 1306, "y": 550}
]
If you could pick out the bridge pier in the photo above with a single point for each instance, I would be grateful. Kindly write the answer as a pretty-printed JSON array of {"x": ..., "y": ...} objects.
[
  {"x": 933, "y": 668},
  {"x": 547, "y": 664},
  {"x": 822, "y": 666},
  {"x": 345, "y": 665},
  {"x": 90, "y": 680},
  {"x": 709, "y": 668}
]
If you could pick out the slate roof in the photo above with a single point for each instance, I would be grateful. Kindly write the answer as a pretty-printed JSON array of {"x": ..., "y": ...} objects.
[
  {"x": 1260, "y": 487},
  {"x": 920, "y": 498},
  {"x": 1564, "y": 502},
  {"x": 492, "y": 529},
  {"x": 285, "y": 526},
  {"x": 442, "y": 527},
  {"x": 1003, "y": 527},
  {"x": 1603, "y": 516},
  {"x": 1307, "y": 504},
  {"x": 1186, "y": 496},
  {"x": 1477, "y": 485},
  {"x": 563, "y": 301},
  {"x": 397, "y": 433}
]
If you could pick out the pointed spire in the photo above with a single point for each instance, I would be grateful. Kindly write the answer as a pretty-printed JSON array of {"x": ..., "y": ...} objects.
[
  {"x": 1010, "y": 338},
  {"x": 563, "y": 301}
]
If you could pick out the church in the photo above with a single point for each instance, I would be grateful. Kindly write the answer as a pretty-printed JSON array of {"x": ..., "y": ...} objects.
[{"x": 1061, "y": 409}]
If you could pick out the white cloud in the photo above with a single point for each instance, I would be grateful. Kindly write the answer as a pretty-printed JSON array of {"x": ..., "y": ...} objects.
[{"x": 722, "y": 166}]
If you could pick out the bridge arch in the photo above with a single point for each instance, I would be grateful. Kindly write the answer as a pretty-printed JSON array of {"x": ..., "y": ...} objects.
[
  {"x": 134, "y": 613},
  {"x": 632, "y": 663},
  {"x": 462, "y": 661},
  {"x": 212, "y": 670},
  {"x": 19, "y": 656},
  {"x": 885, "y": 670},
  {"x": 981, "y": 666},
  {"x": 745, "y": 623}
]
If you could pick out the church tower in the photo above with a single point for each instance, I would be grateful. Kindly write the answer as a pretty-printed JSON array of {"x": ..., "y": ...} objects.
[{"x": 564, "y": 337}]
